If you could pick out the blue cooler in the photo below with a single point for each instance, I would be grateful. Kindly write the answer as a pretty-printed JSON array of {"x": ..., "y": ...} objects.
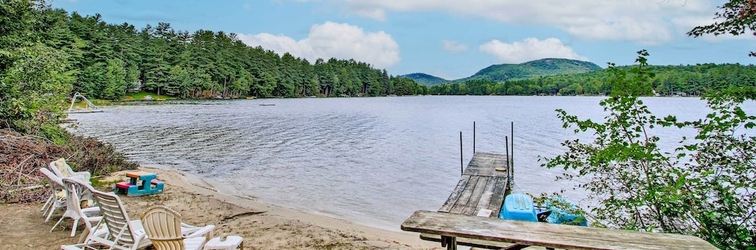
[{"x": 518, "y": 207}]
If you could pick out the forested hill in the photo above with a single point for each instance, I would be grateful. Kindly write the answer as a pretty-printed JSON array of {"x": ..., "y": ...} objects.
[
  {"x": 536, "y": 68},
  {"x": 107, "y": 60},
  {"x": 426, "y": 79},
  {"x": 668, "y": 80}
]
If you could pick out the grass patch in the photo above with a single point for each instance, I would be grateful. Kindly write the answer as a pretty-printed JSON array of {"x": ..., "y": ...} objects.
[
  {"x": 100, "y": 184},
  {"x": 139, "y": 96},
  {"x": 97, "y": 102}
]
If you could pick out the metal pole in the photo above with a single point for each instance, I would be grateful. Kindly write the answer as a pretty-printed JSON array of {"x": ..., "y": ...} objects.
[
  {"x": 509, "y": 180},
  {"x": 461, "y": 157},
  {"x": 473, "y": 137},
  {"x": 512, "y": 147}
]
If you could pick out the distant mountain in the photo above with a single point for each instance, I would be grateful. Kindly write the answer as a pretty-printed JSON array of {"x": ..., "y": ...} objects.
[
  {"x": 542, "y": 67},
  {"x": 426, "y": 79}
]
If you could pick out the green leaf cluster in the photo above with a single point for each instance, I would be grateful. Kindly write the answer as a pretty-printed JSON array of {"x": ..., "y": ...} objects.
[{"x": 35, "y": 78}]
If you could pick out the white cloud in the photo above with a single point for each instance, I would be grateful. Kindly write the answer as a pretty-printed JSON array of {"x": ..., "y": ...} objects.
[
  {"x": 688, "y": 23},
  {"x": 337, "y": 40},
  {"x": 529, "y": 49},
  {"x": 375, "y": 14},
  {"x": 454, "y": 46},
  {"x": 643, "y": 21}
]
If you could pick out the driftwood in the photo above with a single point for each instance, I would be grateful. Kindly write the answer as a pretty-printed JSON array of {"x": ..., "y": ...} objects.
[{"x": 228, "y": 218}]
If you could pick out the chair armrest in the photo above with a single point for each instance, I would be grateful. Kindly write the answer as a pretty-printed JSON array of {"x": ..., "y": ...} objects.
[
  {"x": 82, "y": 176},
  {"x": 202, "y": 232}
]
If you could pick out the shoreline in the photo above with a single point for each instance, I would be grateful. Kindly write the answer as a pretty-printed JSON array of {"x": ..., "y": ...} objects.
[
  {"x": 262, "y": 225},
  {"x": 230, "y": 191},
  {"x": 191, "y": 183}
]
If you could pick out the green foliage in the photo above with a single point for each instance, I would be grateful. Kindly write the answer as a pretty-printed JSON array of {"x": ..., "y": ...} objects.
[
  {"x": 179, "y": 82},
  {"x": 115, "y": 59},
  {"x": 704, "y": 188},
  {"x": 142, "y": 94},
  {"x": 114, "y": 82},
  {"x": 537, "y": 68},
  {"x": 682, "y": 80},
  {"x": 425, "y": 79},
  {"x": 735, "y": 18},
  {"x": 34, "y": 87}
]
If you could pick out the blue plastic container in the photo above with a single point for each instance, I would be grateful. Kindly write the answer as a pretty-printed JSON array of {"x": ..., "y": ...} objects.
[
  {"x": 562, "y": 216},
  {"x": 518, "y": 207}
]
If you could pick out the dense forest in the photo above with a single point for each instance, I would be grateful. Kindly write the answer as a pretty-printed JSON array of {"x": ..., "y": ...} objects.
[
  {"x": 682, "y": 80},
  {"x": 426, "y": 79},
  {"x": 509, "y": 71},
  {"x": 107, "y": 60},
  {"x": 532, "y": 69}
]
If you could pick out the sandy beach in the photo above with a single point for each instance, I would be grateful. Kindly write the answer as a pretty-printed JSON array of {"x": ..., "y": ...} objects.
[{"x": 263, "y": 226}]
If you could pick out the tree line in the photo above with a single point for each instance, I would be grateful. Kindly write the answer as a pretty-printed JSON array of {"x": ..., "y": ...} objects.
[
  {"x": 666, "y": 81},
  {"x": 108, "y": 60}
]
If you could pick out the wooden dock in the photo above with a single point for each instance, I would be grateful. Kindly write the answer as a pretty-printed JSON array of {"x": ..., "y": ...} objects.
[{"x": 480, "y": 191}]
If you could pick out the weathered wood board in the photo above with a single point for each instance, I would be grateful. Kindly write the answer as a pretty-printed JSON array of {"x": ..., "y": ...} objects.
[
  {"x": 545, "y": 234},
  {"x": 480, "y": 186}
]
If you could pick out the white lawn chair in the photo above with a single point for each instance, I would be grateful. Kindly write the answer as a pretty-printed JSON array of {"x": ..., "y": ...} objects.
[
  {"x": 63, "y": 170},
  {"x": 56, "y": 200},
  {"x": 165, "y": 230},
  {"x": 122, "y": 233},
  {"x": 76, "y": 192},
  {"x": 54, "y": 193}
]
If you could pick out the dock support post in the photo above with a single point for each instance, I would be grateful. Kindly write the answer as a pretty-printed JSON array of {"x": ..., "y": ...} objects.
[
  {"x": 473, "y": 137},
  {"x": 461, "y": 157},
  {"x": 511, "y": 169}
]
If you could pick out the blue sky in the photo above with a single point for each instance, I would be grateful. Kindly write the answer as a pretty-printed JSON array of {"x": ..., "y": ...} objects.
[{"x": 447, "y": 38}]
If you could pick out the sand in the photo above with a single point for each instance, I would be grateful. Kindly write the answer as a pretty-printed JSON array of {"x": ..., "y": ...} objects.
[{"x": 263, "y": 226}]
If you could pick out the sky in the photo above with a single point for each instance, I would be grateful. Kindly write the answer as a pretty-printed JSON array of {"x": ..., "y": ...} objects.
[{"x": 451, "y": 39}]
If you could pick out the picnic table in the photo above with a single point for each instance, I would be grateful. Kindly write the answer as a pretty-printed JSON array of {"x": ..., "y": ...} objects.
[
  {"x": 523, "y": 234},
  {"x": 140, "y": 183}
]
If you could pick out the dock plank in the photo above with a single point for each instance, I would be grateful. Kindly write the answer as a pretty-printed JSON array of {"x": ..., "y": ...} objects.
[
  {"x": 545, "y": 234},
  {"x": 486, "y": 196},
  {"x": 485, "y": 164},
  {"x": 464, "y": 197},
  {"x": 479, "y": 186},
  {"x": 497, "y": 198},
  {"x": 454, "y": 196},
  {"x": 472, "y": 206}
]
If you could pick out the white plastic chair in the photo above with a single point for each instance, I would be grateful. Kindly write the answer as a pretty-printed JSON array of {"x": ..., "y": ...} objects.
[
  {"x": 76, "y": 191},
  {"x": 55, "y": 201},
  {"x": 63, "y": 170},
  {"x": 54, "y": 190},
  {"x": 164, "y": 228},
  {"x": 121, "y": 233}
]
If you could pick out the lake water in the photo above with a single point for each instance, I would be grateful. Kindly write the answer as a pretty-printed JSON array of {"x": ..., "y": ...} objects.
[{"x": 369, "y": 160}]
